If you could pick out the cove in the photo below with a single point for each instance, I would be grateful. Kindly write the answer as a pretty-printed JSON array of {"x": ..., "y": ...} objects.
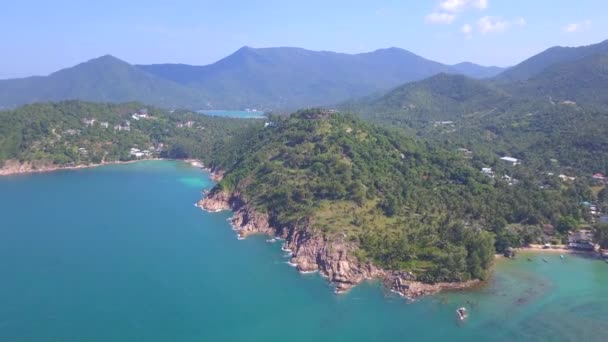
[{"x": 120, "y": 253}]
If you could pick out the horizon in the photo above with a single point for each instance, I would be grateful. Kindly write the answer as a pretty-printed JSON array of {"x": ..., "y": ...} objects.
[{"x": 484, "y": 32}]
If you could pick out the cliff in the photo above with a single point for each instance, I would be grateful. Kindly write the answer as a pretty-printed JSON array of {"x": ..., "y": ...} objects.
[{"x": 333, "y": 258}]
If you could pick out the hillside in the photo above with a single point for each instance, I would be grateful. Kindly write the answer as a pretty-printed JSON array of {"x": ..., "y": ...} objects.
[
  {"x": 294, "y": 77},
  {"x": 582, "y": 81},
  {"x": 328, "y": 182},
  {"x": 552, "y": 56},
  {"x": 556, "y": 115},
  {"x": 48, "y": 135},
  {"x": 270, "y": 78},
  {"x": 443, "y": 97},
  {"x": 104, "y": 79}
]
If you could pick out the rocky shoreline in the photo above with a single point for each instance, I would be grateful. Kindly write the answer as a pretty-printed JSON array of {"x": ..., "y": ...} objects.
[{"x": 334, "y": 259}]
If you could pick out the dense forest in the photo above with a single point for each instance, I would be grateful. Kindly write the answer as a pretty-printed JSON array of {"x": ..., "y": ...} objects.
[
  {"x": 555, "y": 121},
  {"x": 75, "y": 132},
  {"x": 408, "y": 204}
]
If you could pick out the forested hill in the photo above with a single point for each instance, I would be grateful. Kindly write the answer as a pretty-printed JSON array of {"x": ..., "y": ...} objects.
[
  {"x": 553, "y": 56},
  {"x": 76, "y": 133},
  {"x": 558, "y": 114},
  {"x": 268, "y": 78},
  {"x": 405, "y": 204},
  {"x": 103, "y": 79}
]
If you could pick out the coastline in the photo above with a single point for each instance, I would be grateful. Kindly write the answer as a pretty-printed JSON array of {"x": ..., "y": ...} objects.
[
  {"x": 332, "y": 258},
  {"x": 12, "y": 167}
]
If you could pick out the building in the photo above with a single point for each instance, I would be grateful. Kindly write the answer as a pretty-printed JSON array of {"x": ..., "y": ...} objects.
[
  {"x": 599, "y": 176},
  {"x": 511, "y": 161},
  {"x": 89, "y": 122},
  {"x": 488, "y": 172},
  {"x": 581, "y": 239},
  {"x": 566, "y": 178},
  {"x": 104, "y": 124}
]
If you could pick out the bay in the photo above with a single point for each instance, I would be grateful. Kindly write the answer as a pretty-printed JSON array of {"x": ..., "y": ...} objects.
[
  {"x": 120, "y": 253},
  {"x": 242, "y": 114}
]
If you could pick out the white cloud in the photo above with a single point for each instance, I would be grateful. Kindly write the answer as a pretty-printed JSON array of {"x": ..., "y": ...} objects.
[
  {"x": 459, "y": 5},
  {"x": 447, "y": 10},
  {"x": 439, "y": 18},
  {"x": 490, "y": 24},
  {"x": 577, "y": 27},
  {"x": 467, "y": 30}
]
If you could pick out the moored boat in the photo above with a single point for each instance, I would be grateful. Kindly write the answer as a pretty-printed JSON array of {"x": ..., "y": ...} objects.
[{"x": 462, "y": 313}]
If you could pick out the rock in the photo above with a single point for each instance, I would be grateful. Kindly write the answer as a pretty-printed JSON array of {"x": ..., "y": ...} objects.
[{"x": 333, "y": 257}]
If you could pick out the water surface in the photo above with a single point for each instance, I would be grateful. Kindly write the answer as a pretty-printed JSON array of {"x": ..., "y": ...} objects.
[
  {"x": 243, "y": 114},
  {"x": 120, "y": 253}
]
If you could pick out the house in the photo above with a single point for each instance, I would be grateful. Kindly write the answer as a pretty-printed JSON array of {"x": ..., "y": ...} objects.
[
  {"x": 511, "y": 161},
  {"x": 581, "y": 239},
  {"x": 566, "y": 178},
  {"x": 598, "y": 176},
  {"x": 104, "y": 124},
  {"x": 466, "y": 152},
  {"x": 89, "y": 122},
  {"x": 487, "y": 171}
]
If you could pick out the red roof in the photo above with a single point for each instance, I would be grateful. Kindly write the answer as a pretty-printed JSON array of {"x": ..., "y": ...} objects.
[{"x": 598, "y": 175}]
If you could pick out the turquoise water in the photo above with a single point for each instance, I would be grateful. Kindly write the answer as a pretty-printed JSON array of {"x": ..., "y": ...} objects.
[
  {"x": 233, "y": 113},
  {"x": 119, "y": 253}
]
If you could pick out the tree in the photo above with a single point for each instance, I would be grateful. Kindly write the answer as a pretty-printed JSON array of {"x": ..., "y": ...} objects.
[
  {"x": 566, "y": 223},
  {"x": 600, "y": 235}
]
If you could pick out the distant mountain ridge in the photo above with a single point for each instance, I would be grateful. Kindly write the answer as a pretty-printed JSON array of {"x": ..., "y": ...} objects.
[
  {"x": 552, "y": 56},
  {"x": 266, "y": 78}
]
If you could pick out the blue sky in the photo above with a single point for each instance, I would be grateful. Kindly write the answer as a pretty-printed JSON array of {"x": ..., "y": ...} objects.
[{"x": 38, "y": 37}]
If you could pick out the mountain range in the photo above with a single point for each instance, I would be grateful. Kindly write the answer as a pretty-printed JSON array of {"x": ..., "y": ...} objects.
[{"x": 267, "y": 78}]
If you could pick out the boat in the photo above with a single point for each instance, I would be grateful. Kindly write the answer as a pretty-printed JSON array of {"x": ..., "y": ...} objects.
[{"x": 462, "y": 313}]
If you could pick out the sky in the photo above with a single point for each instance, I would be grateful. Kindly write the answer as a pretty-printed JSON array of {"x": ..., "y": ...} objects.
[{"x": 39, "y": 37}]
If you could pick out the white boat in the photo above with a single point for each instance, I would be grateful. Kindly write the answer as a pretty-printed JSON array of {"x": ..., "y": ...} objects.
[{"x": 462, "y": 313}]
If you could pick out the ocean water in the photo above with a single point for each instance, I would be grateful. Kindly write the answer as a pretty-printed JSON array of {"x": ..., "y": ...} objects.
[
  {"x": 120, "y": 253},
  {"x": 243, "y": 114}
]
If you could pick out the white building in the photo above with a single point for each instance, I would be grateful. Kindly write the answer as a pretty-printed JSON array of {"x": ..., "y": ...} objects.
[{"x": 511, "y": 161}]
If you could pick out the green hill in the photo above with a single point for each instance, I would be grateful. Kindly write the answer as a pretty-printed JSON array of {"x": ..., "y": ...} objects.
[
  {"x": 77, "y": 133},
  {"x": 404, "y": 204},
  {"x": 270, "y": 78},
  {"x": 557, "y": 114},
  {"x": 442, "y": 97},
  {"x": 555, "y": 55},
  {"x": 104, "y": 79}
]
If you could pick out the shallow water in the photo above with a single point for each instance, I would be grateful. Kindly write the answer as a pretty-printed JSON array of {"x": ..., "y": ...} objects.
[
  {"x": 120, "y": 253},
  {"x": 243, "y": 114}
]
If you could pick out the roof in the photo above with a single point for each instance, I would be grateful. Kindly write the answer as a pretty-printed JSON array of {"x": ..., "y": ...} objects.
[{"x": 510, "y": 159}]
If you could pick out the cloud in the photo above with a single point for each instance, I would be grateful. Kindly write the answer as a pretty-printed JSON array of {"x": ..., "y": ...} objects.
[
  {"x": 578, "y": 27},
  {"x": 467, "y": 30},
  {"x": 440, "y": 18},
  {"x": 459, "y": 5},
  {"x": 447, "y": 10},
  {"x": 490, "y": 24}
]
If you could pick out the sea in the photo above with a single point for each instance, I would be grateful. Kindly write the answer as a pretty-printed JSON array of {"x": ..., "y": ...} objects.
[
  {"x": 120, "y": 253},
  {"x": 241, "y": 114}
]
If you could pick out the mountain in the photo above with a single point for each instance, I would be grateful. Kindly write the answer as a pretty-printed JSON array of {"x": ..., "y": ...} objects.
[
  {"x": 582, "y": 81},
  {"x": 349, "y": 197},
  {"x": 438, "y": 98},
  {"x": 476, "y": 71},
  {"x": 69, "y": 133},
  {"x": 558, "y": 114},
  {"x": 288, "y": 77},
  {"x": 270, "y": 78},
  {"x": 104, "y": 79},
  {"x": 555, "y": 55}
]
